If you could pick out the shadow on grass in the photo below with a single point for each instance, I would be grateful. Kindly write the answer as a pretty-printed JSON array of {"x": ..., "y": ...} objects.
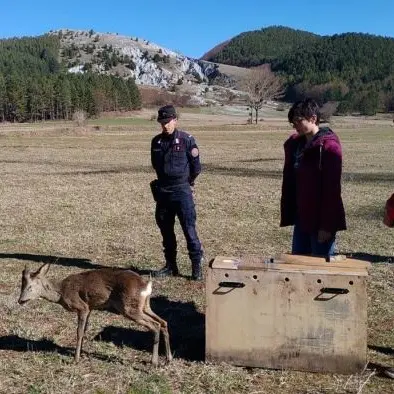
[
  {"x": 186, "y": 326},
  {"x": 117, "y": 170},
  {"x": 372, "y": 258},
  {"x": 73, "y": 262},
  {"x": 369, "y": 212},
  {"x": 65, "y": 261},
  {"x": 18, "y": 344},
  {"x": 382, "y": 349},
  {"x": 381, "y": 370},
  {"x": 103, "y": 171},
  {"x": 260, "y": 160},
  {"x": 145, "y": 271},
  {"x": 350, "y": 177},
  {"x": 241, "y": 172},
  {"x": 357, "y": 177}
]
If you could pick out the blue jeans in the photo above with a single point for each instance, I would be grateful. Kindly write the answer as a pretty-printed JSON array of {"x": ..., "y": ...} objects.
[{"x": 305, "y": 243}]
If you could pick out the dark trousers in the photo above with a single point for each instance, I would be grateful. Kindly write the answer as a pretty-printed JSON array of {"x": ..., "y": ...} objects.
[{"x": 179, "y": 203}]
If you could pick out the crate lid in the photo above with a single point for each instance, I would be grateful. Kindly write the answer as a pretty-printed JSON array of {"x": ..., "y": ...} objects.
[{"x": 294, "y": 263}]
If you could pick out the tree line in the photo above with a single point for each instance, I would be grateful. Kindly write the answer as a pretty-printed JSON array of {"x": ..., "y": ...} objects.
[
  {"x": 34, "y": 85},
  {"x": 355, "y": 70}
]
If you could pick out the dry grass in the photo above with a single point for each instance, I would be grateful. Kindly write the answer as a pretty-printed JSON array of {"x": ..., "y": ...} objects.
[{"x": 83, "y": 197}]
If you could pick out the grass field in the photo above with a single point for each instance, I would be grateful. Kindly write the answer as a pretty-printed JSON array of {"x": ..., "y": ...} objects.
[{"x": 81, "y": 198}]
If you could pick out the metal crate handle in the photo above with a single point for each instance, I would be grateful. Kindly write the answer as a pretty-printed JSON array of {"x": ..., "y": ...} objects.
[
  {"x": 334, "y": 290},
  {"x": 234, "y": 285}
]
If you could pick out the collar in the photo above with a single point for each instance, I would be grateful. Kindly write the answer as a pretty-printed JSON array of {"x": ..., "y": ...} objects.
[{"x": 171, "y": 136}]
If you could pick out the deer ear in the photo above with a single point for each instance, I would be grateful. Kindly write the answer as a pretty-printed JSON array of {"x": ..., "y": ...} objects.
[
  {"x": 26, "y": 271},
  {"x": 43, "y": 270}
]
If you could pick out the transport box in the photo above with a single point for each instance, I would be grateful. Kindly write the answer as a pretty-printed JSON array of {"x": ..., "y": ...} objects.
[{"x": 288, "y": 312}]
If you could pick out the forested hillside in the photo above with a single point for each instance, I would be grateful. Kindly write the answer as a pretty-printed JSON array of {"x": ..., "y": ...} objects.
[
  {"x": 355, "y": 70},
  {"x": 253, "y": 48},
  {"x": 34, "y": 85}
]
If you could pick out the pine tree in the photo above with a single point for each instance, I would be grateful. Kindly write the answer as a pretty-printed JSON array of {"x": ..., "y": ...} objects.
[{"x": 3, "y": 97}]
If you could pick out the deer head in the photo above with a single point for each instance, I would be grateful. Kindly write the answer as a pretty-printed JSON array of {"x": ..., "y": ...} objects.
[{"x": 34, "y": 284}]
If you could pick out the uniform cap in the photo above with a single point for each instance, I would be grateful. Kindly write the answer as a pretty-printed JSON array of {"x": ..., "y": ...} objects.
[{"x": 166, "y": 113}]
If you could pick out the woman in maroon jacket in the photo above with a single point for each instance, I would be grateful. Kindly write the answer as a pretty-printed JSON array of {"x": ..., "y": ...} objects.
[{"x": 311, "y": 189}]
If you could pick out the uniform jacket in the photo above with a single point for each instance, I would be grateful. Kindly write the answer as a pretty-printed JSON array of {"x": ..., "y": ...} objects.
[
  {"x": 311, "y": 188},
  {"x": 175, "y": 158}
]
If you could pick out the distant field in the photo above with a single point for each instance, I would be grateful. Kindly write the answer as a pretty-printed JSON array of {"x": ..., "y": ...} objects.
[
  {"x": 120, "y": 121},
  {"x": 82, "y": 195}
]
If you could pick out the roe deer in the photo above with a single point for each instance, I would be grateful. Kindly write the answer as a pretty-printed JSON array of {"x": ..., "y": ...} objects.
[{"x": 111, "y": 289}]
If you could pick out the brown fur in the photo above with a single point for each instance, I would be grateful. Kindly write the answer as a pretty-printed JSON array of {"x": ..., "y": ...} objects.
[{"x": 116, "y": 290}]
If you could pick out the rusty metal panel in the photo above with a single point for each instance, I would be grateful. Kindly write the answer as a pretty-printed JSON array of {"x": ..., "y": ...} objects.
[{"x": 287, "y": 314}]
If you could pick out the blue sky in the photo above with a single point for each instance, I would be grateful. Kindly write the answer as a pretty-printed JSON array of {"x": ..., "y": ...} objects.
[{"x": 193, "y": 28}]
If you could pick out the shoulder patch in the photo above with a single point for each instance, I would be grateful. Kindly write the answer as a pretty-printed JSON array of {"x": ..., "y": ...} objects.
[{"x": 194, "y": 152}]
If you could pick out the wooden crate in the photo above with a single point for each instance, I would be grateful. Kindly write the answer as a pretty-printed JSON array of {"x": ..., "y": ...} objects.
[{"x": 290, "y": 312}]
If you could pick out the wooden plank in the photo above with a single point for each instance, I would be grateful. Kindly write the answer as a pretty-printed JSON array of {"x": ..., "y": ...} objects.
[
  {"x": 310, "y": 265},
  {"x": 311, "y": 260},
  {"x": 225, "y": 262}
]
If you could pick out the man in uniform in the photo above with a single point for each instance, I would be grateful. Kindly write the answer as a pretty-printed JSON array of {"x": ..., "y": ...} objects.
[{"x": 176, "y": 160}]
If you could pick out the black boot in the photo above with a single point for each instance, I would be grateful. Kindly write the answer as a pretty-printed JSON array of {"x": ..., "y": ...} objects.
[
  {"x": 197, "y": 271},
  {"x": 170, "y": 269}
]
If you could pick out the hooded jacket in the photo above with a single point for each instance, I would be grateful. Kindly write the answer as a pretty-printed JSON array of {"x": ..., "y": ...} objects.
[{"x": 311, "y": 188}]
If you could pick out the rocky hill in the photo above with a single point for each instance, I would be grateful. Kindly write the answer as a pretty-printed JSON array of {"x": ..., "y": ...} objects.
[{"x": 148, "y": 63}]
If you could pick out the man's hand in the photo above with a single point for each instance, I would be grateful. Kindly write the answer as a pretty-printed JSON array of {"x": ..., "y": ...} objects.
[{"x": 323, "y": 236}]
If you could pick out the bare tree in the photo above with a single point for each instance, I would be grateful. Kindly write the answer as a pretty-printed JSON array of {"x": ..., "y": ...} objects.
[
  {"x": 260, "y": 86},
  {"x": 79, "y": 117},
  {"x": 327, "y": 110}
]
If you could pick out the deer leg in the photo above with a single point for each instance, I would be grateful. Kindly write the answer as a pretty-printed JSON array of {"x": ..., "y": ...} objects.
[
  {"x": 145, "y": 320},
  {"x": 82, "y": 318},
  {"x": 163, "y": 328},
  {"x": 166, "y": 336},
  {"x": 86, "y": 325}
]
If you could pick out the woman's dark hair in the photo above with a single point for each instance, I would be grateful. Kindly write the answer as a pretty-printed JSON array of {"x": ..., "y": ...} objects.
[{"x": 304, "y": 109}]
